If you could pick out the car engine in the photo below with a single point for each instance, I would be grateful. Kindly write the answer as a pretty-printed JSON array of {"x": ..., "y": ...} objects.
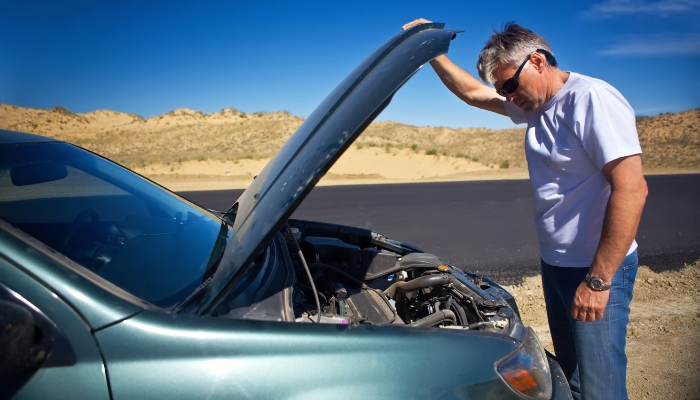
[{"x": 383, "y": 282}]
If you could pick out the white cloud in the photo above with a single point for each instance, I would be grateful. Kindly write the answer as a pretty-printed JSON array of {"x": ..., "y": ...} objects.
[
  {"x": 659, "y": 44},
  {"x": 660, "y": 8}
]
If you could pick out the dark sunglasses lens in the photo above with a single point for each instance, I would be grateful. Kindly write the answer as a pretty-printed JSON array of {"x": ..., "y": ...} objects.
[{"x": 508, "y": 87}]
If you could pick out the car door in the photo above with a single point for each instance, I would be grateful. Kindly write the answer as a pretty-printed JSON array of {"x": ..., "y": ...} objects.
[{"x": 73, "y": 367}]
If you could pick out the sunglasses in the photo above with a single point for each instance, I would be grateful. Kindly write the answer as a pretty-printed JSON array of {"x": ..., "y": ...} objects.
[{"x": 511, "y": 85}]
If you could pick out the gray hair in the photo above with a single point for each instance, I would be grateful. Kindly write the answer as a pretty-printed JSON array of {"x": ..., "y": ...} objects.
[{"x": 509, "y": 47}]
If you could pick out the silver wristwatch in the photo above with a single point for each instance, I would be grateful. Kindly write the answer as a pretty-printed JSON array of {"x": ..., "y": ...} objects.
[{"x": 596, "y": 284}]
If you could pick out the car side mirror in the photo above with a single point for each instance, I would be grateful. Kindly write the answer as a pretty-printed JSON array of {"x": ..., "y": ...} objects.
[
  {"x": 38, "y": 173},
  {"x": 24, "y": 347}
]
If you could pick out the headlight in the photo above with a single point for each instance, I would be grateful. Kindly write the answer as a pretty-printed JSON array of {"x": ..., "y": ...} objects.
[{"x": 526, "y": 369}]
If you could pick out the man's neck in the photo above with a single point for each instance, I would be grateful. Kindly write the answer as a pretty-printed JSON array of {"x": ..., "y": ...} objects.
[{"x": 557, "y": 80}]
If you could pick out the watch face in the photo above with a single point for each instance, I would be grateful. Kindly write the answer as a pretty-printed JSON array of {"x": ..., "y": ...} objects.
[{"x": 596, "y": 284}]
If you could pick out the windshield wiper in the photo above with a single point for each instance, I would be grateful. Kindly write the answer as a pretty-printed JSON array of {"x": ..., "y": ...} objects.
[
  {"x": 197, "y": 292},
  {"x": 230, "y": 216},
  {"x": 217, "y": 252}
]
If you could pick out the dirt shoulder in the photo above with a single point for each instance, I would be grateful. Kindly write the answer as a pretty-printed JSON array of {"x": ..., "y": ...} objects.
[{"x": 663, "y": 337}]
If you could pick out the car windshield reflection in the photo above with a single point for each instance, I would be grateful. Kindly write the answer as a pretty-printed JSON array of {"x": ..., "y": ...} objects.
[{"x": 125, "y": 229}]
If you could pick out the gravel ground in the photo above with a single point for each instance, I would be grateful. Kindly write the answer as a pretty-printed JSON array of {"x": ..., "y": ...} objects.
[{"x": 663, "y": 337}]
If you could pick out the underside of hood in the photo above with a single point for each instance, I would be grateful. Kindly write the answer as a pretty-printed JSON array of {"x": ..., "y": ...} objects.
[{"x": 311, "y": 151}]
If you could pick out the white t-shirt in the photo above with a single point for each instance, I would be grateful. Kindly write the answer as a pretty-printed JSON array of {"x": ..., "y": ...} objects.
[{"x": 568, "y": 141}]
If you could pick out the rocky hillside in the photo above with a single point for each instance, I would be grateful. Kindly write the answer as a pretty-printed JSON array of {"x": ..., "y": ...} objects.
[{"x": 669, "y": 141}]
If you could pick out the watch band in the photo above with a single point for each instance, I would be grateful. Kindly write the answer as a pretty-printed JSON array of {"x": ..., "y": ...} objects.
[{"x": 596, "y": 284}]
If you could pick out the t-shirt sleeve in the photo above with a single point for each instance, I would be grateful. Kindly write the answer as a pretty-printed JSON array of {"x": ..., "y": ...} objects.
[
  {"x": 516, "y": 114},
  {"x": 607, "y": 128}
]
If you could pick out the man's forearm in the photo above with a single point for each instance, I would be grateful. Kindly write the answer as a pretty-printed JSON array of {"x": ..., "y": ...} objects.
[
  {"x": 622, "y": 215},
  {"x": 466, "y": 87},
  {"x": 462, "y": 84},
  {"x": 620, "y": 225}
]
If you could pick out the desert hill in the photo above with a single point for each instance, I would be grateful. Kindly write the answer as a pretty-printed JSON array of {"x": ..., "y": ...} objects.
[
  {"x": 669, "y": 141},
  {"x": 176, "y": 136}
]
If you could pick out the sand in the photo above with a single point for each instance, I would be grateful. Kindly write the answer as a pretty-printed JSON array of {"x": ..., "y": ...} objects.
[{"x": 368, "y": 165}]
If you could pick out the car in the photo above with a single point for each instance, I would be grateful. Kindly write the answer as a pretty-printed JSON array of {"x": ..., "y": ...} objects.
[{"x": 114, "y": 287}]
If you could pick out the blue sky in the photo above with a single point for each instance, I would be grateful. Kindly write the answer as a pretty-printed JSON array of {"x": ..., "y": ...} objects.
[{"x": 150, "y": 57}]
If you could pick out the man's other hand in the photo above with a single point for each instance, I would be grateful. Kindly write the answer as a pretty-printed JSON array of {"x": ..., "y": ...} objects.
[
  {"x": 417, "y": 22},
  {"x": 588, "y": 304}
]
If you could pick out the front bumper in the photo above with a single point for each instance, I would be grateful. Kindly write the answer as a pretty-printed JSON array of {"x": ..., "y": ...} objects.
[{"x": 560, "y": 386}]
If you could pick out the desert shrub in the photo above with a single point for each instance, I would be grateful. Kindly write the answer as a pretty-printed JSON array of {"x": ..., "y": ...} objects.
[
  {"x": 431, "y": 152},
  {"x": 505, "y": 164},
  {"x": 415, "y": 147},
  {"x": 62, "y": 110}
]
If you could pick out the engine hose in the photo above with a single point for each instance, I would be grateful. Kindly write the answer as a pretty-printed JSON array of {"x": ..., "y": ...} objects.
[
  {"x": 460, "y": 313},
  {"x": 436, "y": 318},
  {"x": 322, "y": 296},
  {"x": 308, "y": 272},
  {"x": 476, "y": 325},
  {"x": 425, "y": 281},
  {"x": 418, "y": 283}
]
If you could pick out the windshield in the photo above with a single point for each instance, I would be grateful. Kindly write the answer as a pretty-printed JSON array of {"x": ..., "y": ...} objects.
[{"x": 129, "y": 231}]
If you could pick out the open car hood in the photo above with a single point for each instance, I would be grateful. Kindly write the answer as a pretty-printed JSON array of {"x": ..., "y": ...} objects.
[{"x": 290, "y": 175}]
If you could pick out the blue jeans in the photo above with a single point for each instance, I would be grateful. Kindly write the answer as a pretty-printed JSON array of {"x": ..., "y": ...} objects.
[{"x": 591, "y": 354}]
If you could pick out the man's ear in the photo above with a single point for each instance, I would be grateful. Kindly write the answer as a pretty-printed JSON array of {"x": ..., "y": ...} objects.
[{"x": 538, "y": 61}]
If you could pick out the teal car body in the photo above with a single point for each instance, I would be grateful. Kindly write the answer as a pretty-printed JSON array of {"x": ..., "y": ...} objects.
[{"x": 113, "y": 287}]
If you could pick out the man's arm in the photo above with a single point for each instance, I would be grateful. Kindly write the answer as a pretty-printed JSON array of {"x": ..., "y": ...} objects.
[
  {"x": 462, "y": 84},
  {"x": 622, "y": 215},
  {"x": 466, "y": 87}
]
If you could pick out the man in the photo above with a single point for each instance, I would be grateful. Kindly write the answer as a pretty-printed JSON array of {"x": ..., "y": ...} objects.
[{"x": 585, "y": 167}]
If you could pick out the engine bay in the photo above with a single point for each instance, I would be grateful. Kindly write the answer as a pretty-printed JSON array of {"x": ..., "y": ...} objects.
[{"x": 362, "y": 277}]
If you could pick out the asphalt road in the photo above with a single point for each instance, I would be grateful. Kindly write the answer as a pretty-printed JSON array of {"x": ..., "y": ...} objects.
[{"x": 486, "y": 226}]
